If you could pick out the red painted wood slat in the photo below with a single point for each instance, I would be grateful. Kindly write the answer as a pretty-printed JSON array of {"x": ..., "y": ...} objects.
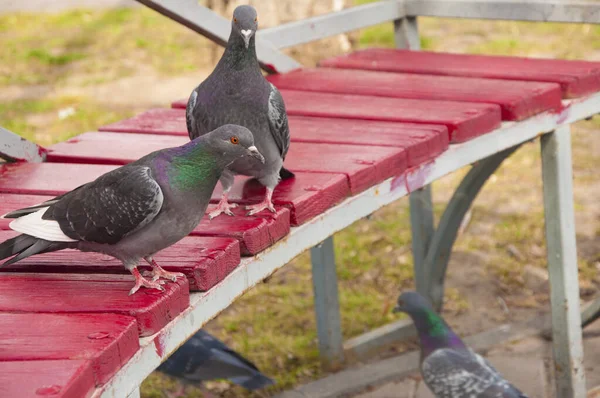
[
  {"x": 306, "y": 196},
  {"x": 364, "y": 166},
  {"x": 464, "y": 120},
  {"x": 517, "y": 99},
  {"x": 107, "y": 340},
  {"x": 205, "y": 261},
  {"x": 422, "y": 142},
  {"x": 57, "y": 379},
  {"x": 255, "y": 233},
  {"x": 576, "y": 78},
  {"x": 73, "y": 293}
]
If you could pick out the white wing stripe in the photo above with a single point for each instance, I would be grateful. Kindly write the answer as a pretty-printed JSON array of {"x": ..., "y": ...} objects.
[{"x": 33, "y": 224}]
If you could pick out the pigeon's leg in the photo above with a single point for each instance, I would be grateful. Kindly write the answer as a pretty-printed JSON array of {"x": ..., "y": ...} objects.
[
  {"x": 270, "y": 182},
  {"x": 224, "y": 206},
  {"x": 158, "y": 272},
  {"x": 141, "y": 281}
]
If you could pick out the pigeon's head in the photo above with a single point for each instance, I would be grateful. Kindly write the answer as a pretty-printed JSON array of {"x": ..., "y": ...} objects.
[
  {"x": 245, "y": 23},
  {"x": 411, "y": 303},
  {"x": 233, "y": 141}
]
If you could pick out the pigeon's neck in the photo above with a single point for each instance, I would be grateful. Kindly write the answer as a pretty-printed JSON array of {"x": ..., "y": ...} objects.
[
  {"x": 237, "y": 56},
  {"x": 434, "y": 333},
  {"x": 194, "y": 168}
]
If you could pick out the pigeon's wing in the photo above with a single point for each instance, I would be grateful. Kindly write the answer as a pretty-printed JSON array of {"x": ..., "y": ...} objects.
[
  {"x": 460, "y": 374},
  {"x": 197, "y": 118},
  {"x": 278, "y": 121},
  {"x": 109, "y": 208}
]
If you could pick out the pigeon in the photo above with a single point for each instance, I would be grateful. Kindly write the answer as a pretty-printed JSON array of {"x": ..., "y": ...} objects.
[
  {"x": 136, "y": 210},
  {"x": 451, "y": 369},
  {"x": 237, "y": 92},
  {"x": 203, "y": 357}
]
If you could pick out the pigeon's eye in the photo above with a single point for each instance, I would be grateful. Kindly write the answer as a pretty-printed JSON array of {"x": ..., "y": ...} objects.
[
  {"x": 234, "y": 140},
  {"x": 235, "y": 20},
  {"x": 256, "y": 19}
]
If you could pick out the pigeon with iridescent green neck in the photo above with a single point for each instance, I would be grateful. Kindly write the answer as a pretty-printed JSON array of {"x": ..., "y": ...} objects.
[
  {"x": 450, "y": 368},
  {"x": 237, "y": 92},
  {"x": 136, "y": 210}
]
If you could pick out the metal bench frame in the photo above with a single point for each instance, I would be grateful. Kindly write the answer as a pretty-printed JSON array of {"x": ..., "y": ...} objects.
[{"x": 431, "y": 247}]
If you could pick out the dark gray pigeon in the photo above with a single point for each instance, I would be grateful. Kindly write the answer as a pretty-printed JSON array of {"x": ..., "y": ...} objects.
[
  {"x": 203, "y": 358},
  {"x": 136, "y": 210},
  {"x": 237, "y": 92},
  {"x": 450, "y": 368}
]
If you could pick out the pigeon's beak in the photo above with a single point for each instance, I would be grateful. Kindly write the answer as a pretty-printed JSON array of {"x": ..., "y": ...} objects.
[
  {"x": 253, "y": 152},
  {"x": 247, "y": 34}
]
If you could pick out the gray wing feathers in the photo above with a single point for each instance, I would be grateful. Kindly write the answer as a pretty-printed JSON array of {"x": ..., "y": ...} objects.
[
  {"x": 460, "y": 374},
  {"x": 189, "y": 114},
  {"x": 278, "y": 121}
]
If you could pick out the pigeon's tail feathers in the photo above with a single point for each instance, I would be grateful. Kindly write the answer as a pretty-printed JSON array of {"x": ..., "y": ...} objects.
[
  {"x": 23, "y": 246},
  {"x": 254, "y": 382},
  {"x": 285, "y": 174},
  {"x": 28, "y": 210}
]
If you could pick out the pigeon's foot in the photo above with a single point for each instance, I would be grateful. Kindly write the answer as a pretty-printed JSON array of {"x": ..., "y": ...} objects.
[
  {"x": 265, "y": 204},
  {"x": 223, "y": 207},
  {"x": 141, "y": 281},
  {"x": 158, "y": 272}
]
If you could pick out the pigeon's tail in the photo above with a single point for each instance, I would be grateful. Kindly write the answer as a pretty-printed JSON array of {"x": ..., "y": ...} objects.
[
  {"x": 285, "y": 174},
  {"x": 28, "y": 210},
  {"x": 23, "y": 246},
  {"x": 254, "y": 382}
]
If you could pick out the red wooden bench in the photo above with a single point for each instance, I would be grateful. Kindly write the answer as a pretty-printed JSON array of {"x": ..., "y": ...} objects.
[{"x": 390, "y": 121}]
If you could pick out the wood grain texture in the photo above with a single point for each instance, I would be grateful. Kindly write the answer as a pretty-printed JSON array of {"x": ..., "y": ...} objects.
[
  {"x": 254, "y": 233},
  {"x": 422, "y": 142},
  {"x": 54, "y": 378},
  {"x": 517, "y": 99},
  {"x": 364, "y": 166},
  {"x": 205, "y": 261},
  {"x": 464, "y": 120},
  {"x": 576, "y": 78},
  {"x": 307, "y": 195},
  {"x": 93, "y": 293},
  {"x": 106, "y": 340}
]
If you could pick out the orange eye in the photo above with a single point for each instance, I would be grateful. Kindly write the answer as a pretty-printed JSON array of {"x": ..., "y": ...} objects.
[
  {"x": 234, "y": 140},
  {"x": 256, "y": 19},
  {"x": 235, "y": 20}
]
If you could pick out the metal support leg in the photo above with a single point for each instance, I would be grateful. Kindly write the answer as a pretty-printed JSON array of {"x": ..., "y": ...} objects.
[
  {"x": 327, "y": 306},
  {"x": 562, "y": 263},
  {"x": 135, "y": 393},
  {"x": 438, "y": 255},
  {"x": 421, "y": 223},
  {"x": 406, "y": 32}
]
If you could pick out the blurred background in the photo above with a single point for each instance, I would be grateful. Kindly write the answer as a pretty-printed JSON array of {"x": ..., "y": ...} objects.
[{"x": 69, "y": 66}]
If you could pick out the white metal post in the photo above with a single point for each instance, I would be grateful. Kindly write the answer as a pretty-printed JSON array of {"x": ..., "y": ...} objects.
[
  {"x": 562, "y": 262},
  {"x": 327, "y": 306},
  {"x": 135, "y": 393}
]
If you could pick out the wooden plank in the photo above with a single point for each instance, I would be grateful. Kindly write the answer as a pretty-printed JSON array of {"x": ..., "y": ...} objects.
[
  {"x": 10, "y": 202},
  {"x": 98, "y": 294},
  {"x": 422, "y": 142},
  {"x": 307, "y": 195},
  {"x": 57, "y": 379},
  {"x": 107, "y": 340},
  {"x": 364, "y": 166},
  {"x": 205, "y": 261},
  {"x": 254, "y": 233},
  {"x": 576, "y": 78},
  {"x": 153, "y": 121},
  {"x": 518, "y": 100},
  {"x": 576, "y": 11},
  {"x": 464, "y": 120},
  {"x": 100, "y": 148}
]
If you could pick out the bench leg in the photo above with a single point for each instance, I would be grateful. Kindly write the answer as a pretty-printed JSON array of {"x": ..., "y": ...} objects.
[
  {"x": 327, "y": 306},
  {"x": 421, "y": 224},
  {"x": 440, "y": 248},
  {"x": 562, "y": 263},
  {"x": 135, "y": 393}
]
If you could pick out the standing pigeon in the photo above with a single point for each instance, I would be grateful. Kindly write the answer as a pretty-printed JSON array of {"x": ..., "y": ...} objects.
[
  {"x": 450, "y": 368},
  {"x": 203, "y": 357},
  {"x": 136, "y": 210},
  {"x": 237, "y": 92}
]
